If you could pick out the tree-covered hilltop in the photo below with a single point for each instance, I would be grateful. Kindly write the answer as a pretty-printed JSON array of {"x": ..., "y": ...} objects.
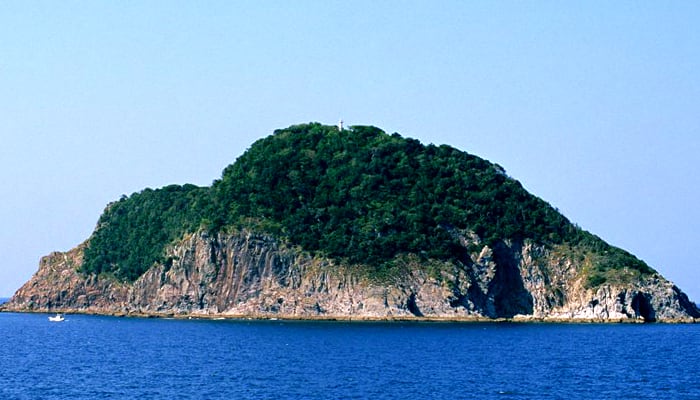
[
  {"x": 359, "y": 195},
  {"x": 367, "y": 196}
]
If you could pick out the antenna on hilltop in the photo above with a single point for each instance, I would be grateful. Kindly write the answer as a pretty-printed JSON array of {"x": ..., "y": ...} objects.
[{"x": 340, "y": 125}]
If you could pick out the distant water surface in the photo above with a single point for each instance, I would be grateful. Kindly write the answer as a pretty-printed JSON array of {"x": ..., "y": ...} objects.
[{"x": 89, "y": 357}]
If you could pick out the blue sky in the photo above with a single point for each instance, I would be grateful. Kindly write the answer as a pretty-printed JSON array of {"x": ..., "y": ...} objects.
[{"x": 594, "y": 107}]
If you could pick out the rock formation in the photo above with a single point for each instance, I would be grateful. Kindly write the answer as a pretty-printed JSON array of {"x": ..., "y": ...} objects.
[{"x": 257, "y": 276}]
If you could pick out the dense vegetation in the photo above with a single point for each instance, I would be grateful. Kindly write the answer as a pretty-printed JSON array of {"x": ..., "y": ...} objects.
[
  {"x": 132, "y": 232},
  {"x": 358, "y": 195},
  {"x": 367, "y": 196}
]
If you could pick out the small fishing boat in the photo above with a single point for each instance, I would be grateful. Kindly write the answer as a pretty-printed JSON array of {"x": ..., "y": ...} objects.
[{"x": 57, "y": 318}]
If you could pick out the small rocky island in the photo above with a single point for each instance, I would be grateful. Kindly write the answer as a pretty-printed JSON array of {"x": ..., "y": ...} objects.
[{"x": 321, "y": 222}]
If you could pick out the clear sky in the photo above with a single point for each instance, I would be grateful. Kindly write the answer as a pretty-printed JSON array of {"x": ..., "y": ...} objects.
[{"x": 594, "y": 107}]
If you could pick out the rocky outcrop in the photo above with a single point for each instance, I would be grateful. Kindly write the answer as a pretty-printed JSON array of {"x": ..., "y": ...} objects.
[
  {"x": 250, "y": 275},
  {"x": 58, "y": 285}
]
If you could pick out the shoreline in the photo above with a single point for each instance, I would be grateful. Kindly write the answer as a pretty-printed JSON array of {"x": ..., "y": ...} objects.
[{"x": 525, "y": 319}]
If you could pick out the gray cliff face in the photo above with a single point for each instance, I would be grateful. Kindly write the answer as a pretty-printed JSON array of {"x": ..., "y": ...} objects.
[{"x": 249, "y": 275}]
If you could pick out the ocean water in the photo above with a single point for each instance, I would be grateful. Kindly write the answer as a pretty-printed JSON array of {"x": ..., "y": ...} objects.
[{"x": 93, "y": 357}]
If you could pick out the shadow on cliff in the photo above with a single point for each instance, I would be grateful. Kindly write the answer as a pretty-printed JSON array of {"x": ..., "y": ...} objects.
[
  {"x": 688, "y": 306},
  {"x": 504, "y": 296},
  {"x": 507, "y": 288}
]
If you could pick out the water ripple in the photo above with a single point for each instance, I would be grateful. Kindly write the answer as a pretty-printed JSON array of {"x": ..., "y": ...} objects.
[{"x": 89, "y": 357}]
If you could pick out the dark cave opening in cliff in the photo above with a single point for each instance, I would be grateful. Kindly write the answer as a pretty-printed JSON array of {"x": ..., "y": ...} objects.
[
  {"x": 412, "y": 306},
  {"x": 641, "y": 306}
]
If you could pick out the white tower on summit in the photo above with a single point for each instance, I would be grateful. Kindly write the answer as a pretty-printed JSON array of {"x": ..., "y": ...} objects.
[{"x": 340, "y": 125}]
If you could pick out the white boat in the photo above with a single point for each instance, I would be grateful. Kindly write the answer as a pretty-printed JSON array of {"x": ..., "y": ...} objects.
[{"x": 57, "y": 318}]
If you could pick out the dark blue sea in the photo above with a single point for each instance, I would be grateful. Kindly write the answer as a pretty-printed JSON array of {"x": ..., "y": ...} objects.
[{"x": 93, "y": 357}]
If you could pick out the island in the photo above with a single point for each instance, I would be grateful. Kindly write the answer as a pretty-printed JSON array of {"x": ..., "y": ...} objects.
[{"x": 352, "y": 223}]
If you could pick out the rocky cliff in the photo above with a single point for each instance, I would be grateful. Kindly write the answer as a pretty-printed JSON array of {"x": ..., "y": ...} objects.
[{"x": 257, "y": 276}]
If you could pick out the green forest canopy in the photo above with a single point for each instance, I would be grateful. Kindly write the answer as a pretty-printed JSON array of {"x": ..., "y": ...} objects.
[{"x": 358, "y": 195}]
